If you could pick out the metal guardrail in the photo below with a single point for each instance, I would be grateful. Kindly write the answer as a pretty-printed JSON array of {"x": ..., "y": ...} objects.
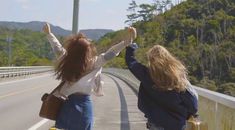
[
  {"x": 216, "y": 109},
  {"x": 7, "y": 72}
]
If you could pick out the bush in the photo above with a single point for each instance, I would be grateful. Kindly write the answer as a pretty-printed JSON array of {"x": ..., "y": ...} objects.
[
  {"x": 208, "y": 84},
  {"x": 193, "y": 80},
  {"x": 227, "y": 88}
]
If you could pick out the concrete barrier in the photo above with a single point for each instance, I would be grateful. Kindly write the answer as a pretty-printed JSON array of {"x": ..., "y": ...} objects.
[
  {"x": 7, "y": 72},
  {"x": 217, "y": 109}
]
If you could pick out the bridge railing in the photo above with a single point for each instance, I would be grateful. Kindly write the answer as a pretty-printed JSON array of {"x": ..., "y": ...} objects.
[
  {"x": 7, "y": 72},
  {"x": 216, "y": 109}
]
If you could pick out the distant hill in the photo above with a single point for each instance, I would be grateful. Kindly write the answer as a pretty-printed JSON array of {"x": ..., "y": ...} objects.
[{"x": 93, "y": 34}]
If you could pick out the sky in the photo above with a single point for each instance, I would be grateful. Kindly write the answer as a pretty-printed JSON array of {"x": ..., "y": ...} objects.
[{"x": 93, "y": 14}]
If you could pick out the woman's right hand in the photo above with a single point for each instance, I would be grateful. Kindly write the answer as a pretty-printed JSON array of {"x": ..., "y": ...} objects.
[
  {"x": 46, "y": 28},
  {"x": 132, "y": 32}
]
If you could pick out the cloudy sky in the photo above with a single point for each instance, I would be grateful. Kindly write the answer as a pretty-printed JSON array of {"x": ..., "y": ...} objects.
[{"x": 94, "y": 14}]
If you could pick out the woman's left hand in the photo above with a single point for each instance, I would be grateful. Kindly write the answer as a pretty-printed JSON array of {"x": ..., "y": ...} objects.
[{"x": 47, "y": 28}]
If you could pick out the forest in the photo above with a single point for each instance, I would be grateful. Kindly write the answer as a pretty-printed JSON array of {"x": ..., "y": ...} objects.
[
  {"x": 24, "y": 48},
  {"x": 201, "y": 33}
]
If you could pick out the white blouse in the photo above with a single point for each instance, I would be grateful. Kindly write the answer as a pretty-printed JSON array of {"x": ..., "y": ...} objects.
[{"x": 89, "y": 82}]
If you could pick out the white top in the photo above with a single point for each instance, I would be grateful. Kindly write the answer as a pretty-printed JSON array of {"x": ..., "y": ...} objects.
[{"x": 89, "y": 82}]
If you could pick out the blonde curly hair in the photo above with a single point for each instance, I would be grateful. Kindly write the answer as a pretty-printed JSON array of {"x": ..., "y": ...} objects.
[{"x": 166, "y": 71}]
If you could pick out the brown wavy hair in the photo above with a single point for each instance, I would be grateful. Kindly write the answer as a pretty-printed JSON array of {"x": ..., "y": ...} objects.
[
  {"x": 78, "y": 60},
  {"x": 166, "y": 71}
]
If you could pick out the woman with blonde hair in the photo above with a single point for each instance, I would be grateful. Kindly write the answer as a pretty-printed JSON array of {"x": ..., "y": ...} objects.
[
  {"x": 79, "y": 68},
  {"x": 165, "y": 95}
]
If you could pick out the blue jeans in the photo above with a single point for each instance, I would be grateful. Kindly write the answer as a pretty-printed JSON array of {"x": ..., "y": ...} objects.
[{"x": 76, "y": 113}]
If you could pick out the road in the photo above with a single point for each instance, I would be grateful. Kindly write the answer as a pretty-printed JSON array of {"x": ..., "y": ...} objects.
[{"x": 20, "y": 103}]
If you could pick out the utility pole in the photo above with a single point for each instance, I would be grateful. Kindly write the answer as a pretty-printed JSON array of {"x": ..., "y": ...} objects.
[
  {"x": 75, "y": 16},
  {"x": 9, "y": 40}
]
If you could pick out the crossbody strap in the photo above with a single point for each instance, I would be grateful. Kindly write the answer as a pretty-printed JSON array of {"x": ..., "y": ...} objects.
[{"x": 58, "y": 87}]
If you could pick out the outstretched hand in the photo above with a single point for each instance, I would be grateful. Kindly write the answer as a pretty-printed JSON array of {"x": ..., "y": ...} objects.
[
  {"x": 46, "y": 28},
  {"x": 132, "y": 33}
]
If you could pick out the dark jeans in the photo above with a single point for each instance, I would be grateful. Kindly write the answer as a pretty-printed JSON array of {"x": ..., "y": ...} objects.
[
  {"x": 152, "y": 126},
  {"x": 76, "y": 113}
]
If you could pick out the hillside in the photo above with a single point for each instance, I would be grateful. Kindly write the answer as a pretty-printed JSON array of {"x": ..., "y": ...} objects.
[
  {"x": 93, "y": 34},
  {"x": 199, "y": 32},
  {"x": 29, "y": 45}
]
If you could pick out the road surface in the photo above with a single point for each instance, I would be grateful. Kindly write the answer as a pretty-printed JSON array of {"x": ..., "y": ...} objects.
[{"x": 20, "y": 103}]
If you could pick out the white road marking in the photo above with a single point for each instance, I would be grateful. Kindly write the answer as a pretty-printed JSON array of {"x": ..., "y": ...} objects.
[{"x": 39, "y": 124}]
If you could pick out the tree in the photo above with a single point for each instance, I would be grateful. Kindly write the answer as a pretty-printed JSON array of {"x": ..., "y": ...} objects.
[
  {"x": 132, "y": 17},
  {"x": 162, "y": 5},
  {"x": 146, "y": 12}
]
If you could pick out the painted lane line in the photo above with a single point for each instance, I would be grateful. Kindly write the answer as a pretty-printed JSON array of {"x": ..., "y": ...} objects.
[
  {"x": 19, "y": 92},
  {"x": 39, "y": 124}
]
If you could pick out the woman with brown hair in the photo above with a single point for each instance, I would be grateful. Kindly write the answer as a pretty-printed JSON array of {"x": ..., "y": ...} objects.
[
  {"x": 165, "y": 95},
  {"x": 80, "y": 69}
]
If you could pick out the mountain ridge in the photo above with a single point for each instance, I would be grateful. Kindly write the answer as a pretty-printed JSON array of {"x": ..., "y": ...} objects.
[{"x": 93, "y": 34}]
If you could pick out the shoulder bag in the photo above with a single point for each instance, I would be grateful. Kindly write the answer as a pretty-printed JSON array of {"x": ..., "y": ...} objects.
[{"x": 51, "y": 104}]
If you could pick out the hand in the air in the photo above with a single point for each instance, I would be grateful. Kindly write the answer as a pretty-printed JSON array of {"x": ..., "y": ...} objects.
[
  {"x": 46, "y": 28},
  {"x": 133, "y": 33}
]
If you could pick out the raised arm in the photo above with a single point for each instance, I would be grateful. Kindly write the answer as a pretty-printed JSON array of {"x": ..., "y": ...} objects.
[
  {"x": 55, "y": 44},
  {"x": 136, "y": 68},
  {"x": 114, "y": 50}
]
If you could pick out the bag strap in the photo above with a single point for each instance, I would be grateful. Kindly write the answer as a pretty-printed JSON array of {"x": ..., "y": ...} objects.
[{"x": 58, "y": 87}]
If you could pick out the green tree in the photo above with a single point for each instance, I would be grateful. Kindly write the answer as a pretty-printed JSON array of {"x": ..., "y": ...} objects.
[
  {"x": 132, "y": 17},
  {"x": 146, "y": 12}
]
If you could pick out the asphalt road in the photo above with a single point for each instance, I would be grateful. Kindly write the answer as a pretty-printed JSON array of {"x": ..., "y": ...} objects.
[{"x": 20, "y": 103}]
